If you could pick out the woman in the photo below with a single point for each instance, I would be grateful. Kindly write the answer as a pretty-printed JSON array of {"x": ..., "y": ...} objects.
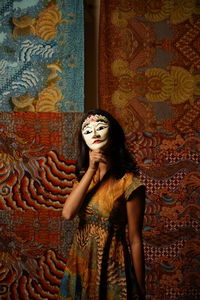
[{"x": 106, "y": 258}]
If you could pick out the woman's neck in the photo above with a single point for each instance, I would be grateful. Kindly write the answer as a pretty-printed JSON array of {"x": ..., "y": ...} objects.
[{"x": 103, "y": 169}]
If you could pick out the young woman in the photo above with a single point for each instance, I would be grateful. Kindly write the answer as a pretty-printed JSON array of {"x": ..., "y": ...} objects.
[{"x": 106, "y": 257}]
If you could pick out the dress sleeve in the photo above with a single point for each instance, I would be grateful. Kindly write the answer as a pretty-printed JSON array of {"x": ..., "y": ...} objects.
[{"x": 132, "y": 183}]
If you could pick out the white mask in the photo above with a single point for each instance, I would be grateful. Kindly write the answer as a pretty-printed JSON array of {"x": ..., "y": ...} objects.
[{"x": 95, "y": 132}]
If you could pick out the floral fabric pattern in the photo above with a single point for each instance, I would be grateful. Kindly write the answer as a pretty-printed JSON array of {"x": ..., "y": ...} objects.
[{"x": 99, "y": 264}]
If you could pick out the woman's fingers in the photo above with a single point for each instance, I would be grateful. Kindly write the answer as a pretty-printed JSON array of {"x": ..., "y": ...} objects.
[{"x": 96, "y": 156}]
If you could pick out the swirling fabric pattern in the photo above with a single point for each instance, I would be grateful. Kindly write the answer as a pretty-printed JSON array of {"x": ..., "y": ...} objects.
[
  {"x": 35, "y": 179},
  {"x": 149, "y": 80},
  {"x": 42, "y": 50}
]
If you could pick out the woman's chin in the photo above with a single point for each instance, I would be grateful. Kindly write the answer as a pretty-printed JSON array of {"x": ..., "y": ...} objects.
[
  {"x": 102, "y": 146},
  {"x": 98, "y": 146}
]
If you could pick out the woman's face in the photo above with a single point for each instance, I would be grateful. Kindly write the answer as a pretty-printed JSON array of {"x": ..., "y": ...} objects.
[{"x": 95, "y": 131}]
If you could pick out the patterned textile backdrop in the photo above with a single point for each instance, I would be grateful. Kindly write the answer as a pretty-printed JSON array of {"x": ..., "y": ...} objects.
[
  {"x": 41, "y": 57},
  {"x": 149, "y": 78},
  {"x": 37, "y": 152}
]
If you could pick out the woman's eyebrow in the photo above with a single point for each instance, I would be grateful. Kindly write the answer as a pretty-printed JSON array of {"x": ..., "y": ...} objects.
[
  {"x": 98, "y": 121},
  {"x": 102, "y": 121},
  {"x": 86, "y": 125}
]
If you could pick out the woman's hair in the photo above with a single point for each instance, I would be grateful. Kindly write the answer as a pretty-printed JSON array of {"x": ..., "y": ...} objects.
[{"x": 120, "y": 159}]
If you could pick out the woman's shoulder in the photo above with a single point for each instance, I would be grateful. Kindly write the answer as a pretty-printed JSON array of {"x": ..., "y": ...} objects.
[
  {"x": 131, "y": 183},
  {"x": 130, "y": 177}
]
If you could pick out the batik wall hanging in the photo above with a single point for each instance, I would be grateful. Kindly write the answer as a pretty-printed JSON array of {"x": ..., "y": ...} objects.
[
  {"x": 37, "y": 160},
  {"x": 42, "y": 53},
  {"x": 41, "y": 95},
  {"x": 149, "y": 79}
]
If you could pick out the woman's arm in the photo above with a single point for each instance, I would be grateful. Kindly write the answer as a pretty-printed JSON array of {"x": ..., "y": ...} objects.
[
  {"x": 78, "y": 193},
  {"x": 135, "y": 214}
]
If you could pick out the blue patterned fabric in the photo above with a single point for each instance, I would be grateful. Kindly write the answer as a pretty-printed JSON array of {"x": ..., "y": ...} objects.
[
  {"x": 72, "y": 54},
  {"x": 24, "y": 59}
]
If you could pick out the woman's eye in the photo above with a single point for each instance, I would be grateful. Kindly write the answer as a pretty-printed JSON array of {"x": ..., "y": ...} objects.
[
  {"x": 87, "y": 132},
  {"x": 101, "y": 128}
]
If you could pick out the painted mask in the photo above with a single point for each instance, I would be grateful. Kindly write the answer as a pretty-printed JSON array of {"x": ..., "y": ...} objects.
[{"x": 95, "y": 131}]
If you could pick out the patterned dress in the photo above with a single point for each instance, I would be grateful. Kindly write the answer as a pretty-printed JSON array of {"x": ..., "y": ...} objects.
[{"x": 99, "y": 265}]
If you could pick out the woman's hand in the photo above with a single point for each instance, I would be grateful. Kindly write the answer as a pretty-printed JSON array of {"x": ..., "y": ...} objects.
[
  {"x": 96, "y": 157},
  {"x": 77, "y": 195}
]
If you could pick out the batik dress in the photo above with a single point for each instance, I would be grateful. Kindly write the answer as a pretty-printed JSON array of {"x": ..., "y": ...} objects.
[{"x": 99, "y": 263}]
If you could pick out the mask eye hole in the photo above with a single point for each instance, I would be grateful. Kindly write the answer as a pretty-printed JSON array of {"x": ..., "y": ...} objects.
[
  {"x": 101, "y": 127},
  {"x": 87, "y": 131}
]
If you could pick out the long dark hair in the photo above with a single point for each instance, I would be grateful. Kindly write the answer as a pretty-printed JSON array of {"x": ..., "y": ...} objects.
[{"x": 120, "y": 159}]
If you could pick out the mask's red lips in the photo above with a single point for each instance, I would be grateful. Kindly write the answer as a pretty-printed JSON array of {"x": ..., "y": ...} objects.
[{"x": 97, "y": 141}]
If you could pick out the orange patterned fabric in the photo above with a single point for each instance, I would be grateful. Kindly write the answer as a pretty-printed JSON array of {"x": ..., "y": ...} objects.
[
  {"x": 37, "y": 163},
  {"x": 149, "y": 72},
  {"x": 99, "y": 264}
]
